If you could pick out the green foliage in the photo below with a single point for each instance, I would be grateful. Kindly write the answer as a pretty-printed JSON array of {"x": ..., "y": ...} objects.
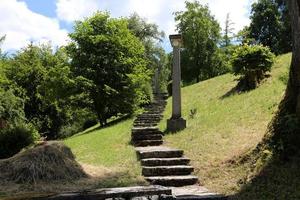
[
  {"x": 106, "y": 53},
  {"x": 251, "y": 62},
  {"x": 150, "y": 36},
  {"x": 13, "y": 139},
  {"x": 11, "y": 108},
  {"x": 201, "y": 34},
  {"x": 78, "y": 121},
  {"x": 270, "y": 25},
  {"x": 43, "y": 80}
]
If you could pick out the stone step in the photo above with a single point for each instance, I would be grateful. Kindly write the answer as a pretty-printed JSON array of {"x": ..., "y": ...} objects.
[
  {"x": 144, "y": 124},
  {"x": 145, "y": 129},
  {"x": 165, "y": 161},
  {"x": 147, "y": 120},
  {"x": 145, "y": 143},
  {"x": 147, "y": 137},
  {"x": 158, "y": 152},
  {"x": 149, "y": 115},
  {"x": 142, "y": 133},
  {"x": 176, "y": 181},
  {"x": 167, "y": 170}
]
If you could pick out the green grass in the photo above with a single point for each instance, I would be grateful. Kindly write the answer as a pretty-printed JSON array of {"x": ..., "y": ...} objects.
[
  {"x": 108, "y": 148},
  {"x": 226, "y": 124}
]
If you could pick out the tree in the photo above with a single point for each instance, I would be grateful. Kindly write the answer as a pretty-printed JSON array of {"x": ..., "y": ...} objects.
[
  {"x": 150, "y": 36},
  {"x": 270, "y": 25},
  {"x": 228, "y": 32},
  {"x": 106, "y": 53},
  {"x": 284, "y": 129},
  {"x": 201, "y": 35},
  {"x": 44, "y": 81}
]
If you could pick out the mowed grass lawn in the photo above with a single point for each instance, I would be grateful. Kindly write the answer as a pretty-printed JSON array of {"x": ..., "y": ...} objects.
[
  {"x": 107, "y": 150},
  {"x": 225, "y": 126}
]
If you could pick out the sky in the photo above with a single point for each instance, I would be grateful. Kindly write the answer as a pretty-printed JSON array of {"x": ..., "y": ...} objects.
[{"x": 40, "y": 21}]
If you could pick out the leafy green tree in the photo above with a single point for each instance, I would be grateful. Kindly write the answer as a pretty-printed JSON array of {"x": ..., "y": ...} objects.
[
  {"x": 270, "y": 25},
  {"x": 106, "y": 53},
  {"x": 251, "y": 62},
  {"x": 46, "y": 85},
  {"x": 151, "y": 37},
  {"x": 201, "y": 35}
]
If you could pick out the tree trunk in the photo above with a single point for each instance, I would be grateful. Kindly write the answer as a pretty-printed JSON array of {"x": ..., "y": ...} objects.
[
  {"x": 285, "y": 126},
  {"x": 292, "y": 95}
]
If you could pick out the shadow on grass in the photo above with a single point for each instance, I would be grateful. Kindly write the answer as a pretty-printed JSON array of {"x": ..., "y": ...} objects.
[
  {"x": 46, "y": 189},
  {"x": 168, "y": 132},
  {"x": 111, "y": 123},
  {"x": 242, "y": 87},
  {"x": 231, "y": 92},
  {"x": 278, "y": 180}
]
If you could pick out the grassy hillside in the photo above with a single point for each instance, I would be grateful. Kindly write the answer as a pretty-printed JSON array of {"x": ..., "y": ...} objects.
[
  {"x": 226, "y": 124},
  {"x": 107, "y": 151}
]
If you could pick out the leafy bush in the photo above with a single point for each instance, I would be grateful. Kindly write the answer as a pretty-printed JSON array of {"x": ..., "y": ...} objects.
[
  {"x": 13, "y": 139},
  {"x": 252, "y": 63}
]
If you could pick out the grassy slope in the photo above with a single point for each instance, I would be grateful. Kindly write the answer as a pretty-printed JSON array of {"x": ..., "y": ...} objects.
[
  {"x": 222, "y": 129},
  {"x": 108, "y": 148},
  {"x": 225, "y": 127}
]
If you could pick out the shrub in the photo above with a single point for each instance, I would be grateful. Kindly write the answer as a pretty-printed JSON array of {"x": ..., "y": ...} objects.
[
  {"x": 89, "y": 123},
  {"x": 13, "y": 139},
  {"x": 252, "y": 63},
  {"x": 69, "y": 129}
]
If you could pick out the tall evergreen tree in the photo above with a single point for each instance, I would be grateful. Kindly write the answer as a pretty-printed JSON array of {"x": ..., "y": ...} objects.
[{"x": 228, "y": 32}]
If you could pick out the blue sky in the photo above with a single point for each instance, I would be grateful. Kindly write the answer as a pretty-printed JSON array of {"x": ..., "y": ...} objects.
[{"x": 24, "y": 21}]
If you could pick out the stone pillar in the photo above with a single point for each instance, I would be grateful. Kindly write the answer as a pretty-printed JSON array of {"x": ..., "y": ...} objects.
[
  {"x": 176, "y": 77},
  {"x": 176, "y": 122}
]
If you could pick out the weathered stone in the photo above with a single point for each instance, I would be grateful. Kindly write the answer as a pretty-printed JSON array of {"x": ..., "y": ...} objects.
[
  {"x": 145, "y": 143},
  {"x": 174, "y": 125},
  {"x": 167, "y": 170},
  {"x": 195, "y": 192},
  {"x": 115, "y": 193},
  {"x": 147, "y": 137},
  {"x": 159, "y": 152},
  {"x": 164, "y": 161},
  {"x": 172, "y": 180}
]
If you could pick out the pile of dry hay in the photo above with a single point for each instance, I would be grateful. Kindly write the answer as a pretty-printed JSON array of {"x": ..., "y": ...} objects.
[{"x": 48, "y": 162}]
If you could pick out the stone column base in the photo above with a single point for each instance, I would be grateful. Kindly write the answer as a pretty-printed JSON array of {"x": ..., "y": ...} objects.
[{"x": 174, "y": 125}]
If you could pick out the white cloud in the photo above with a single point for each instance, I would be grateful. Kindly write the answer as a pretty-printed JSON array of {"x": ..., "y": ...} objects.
[
  {"x": 157, "y": 11},
  {"x": 21, "y": 25},
  {"x": 71, "y": 10}
]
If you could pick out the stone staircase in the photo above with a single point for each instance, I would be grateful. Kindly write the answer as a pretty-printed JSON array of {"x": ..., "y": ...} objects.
[{"x": 160, "y": 165}]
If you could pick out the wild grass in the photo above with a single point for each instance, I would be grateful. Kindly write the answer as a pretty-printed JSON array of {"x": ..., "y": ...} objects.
[
  {"x": 223, "y": 124},
  {"x": 109, "y": 148}
]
